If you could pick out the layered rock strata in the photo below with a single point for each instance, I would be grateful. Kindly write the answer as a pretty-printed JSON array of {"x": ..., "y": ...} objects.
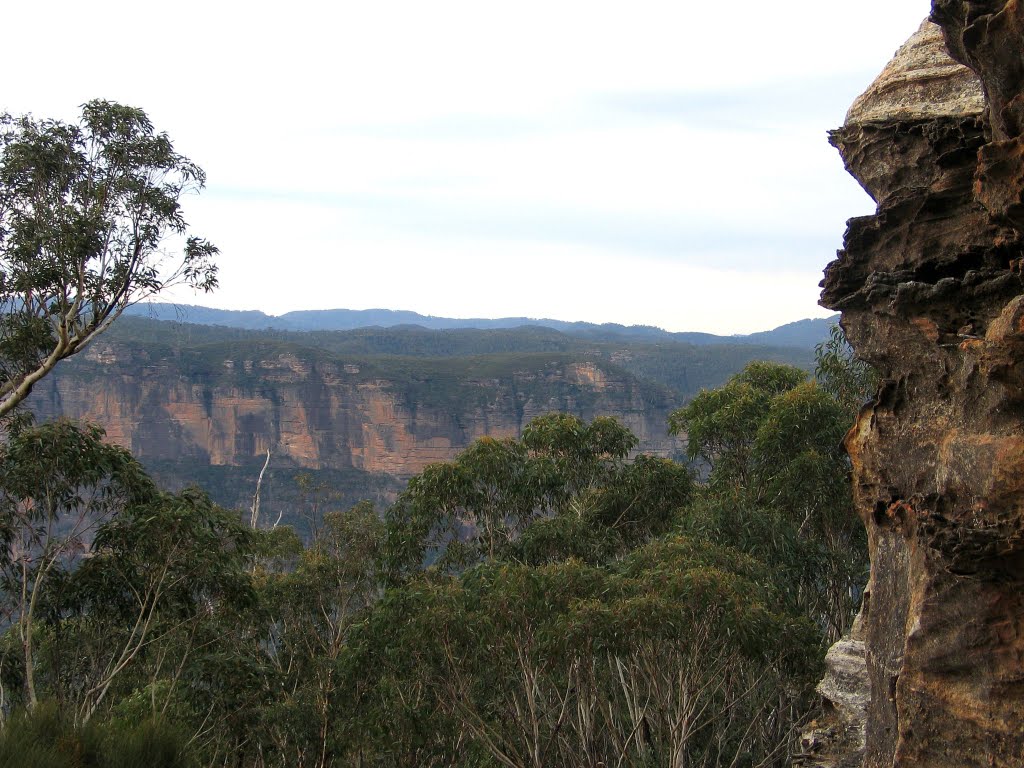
[
  {"x": 317, "y": 412},
  {"x": 837, "y": 739},
  {"x": 931, "y": 294}
]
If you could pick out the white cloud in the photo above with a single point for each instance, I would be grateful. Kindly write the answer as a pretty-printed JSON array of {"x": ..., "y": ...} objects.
[{"x": 582, "y": 160}]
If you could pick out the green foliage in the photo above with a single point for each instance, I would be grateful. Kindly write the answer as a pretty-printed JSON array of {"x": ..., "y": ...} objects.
[
  {"x": 768, "y": 435},
  {"x": 59, "y": 484},
  {"x": 721, "y": 425},
  {"x": 151, "y": 744},
  {"x": 45, "y": 738},
  {"x": 182, "y": 549},
  {"x": 800, "y": 462},
  {"x": 569, "y": 479},
  {"x": 643, "y": 499},
  {"x": 849, "y": 380},
  {"x": 564, "y": 664},
  {"x": 62, "y": 466},
  {"x": 95, "y": 559},
  {"x": 778, "y": 485},
  {"x": 157, "y": 572},
  {"x": 552, "y": 600},
  {"x": 84, "y": 210},
  {"x": 583, "y": 455}
]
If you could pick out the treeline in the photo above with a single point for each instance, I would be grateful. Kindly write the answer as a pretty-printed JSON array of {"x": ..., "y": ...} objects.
[
  {"x": 398, "y": 352},
  {"x": 547, "y": 601}
]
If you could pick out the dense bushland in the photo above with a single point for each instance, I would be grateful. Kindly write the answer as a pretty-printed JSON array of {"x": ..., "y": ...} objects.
[{"x": 548, "y": 601}]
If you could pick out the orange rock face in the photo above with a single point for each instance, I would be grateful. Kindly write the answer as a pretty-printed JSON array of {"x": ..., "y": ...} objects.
[
  {"x": 931, "y": 293},
  {"x": 317, "y": 414}
]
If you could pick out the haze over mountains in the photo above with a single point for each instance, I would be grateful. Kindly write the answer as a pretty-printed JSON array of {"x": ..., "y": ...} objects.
[{"x": 802, "y": 333}]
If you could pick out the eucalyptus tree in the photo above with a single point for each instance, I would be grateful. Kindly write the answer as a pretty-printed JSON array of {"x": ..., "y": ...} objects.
[
  {"x": 848, "y": 379},
  {"x": 310, "y": 608},
  {"x": 108, "y": 586},
  {"x": 59, "y": 485},
  {"x": 778, "y": 483},
  {"x": 86, "y": 211},
  {"x": 567, "y": 486},
  {"x": 159, "y": 576},
  {"x": 677, "y": 654}
]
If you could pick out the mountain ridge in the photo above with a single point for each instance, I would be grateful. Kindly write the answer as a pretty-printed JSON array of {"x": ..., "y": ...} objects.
[{"x": 800, "y": 333}]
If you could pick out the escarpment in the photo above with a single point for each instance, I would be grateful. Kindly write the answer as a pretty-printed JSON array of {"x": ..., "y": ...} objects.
[
  {"x": 931, "y": 294},
  {"x": 227, "y": 405}
]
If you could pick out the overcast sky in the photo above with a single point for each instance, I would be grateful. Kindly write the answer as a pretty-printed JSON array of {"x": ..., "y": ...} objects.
[{"x": 660, "y": 163}]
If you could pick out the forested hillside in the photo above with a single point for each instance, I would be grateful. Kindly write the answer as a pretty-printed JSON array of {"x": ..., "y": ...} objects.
[
  {"x": 545, "y": 600},
  {"x": 682, "y": 366}
]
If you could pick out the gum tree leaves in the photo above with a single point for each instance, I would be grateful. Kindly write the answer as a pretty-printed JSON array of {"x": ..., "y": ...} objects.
[{"x": 85, "y": 210}]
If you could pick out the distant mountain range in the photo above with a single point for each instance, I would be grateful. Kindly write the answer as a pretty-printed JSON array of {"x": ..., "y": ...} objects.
[{"x": 802, "y": 333}]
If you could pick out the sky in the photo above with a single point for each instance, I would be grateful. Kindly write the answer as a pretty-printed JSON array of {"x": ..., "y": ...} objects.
[{"x": 646, "y": 162}]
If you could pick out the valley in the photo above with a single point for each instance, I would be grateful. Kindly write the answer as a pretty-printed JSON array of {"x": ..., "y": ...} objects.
[{"x": 361, "y": 411}]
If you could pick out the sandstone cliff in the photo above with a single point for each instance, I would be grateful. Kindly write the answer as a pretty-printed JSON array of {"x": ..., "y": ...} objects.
[
  {"x": 931, "y": 294},
  {"x": 227, "y": 405}
]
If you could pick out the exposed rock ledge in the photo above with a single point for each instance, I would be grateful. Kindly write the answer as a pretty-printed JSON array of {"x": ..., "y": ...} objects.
[
  {"x": 931, "y": 293},
  {"x": 837, "y": 739}
]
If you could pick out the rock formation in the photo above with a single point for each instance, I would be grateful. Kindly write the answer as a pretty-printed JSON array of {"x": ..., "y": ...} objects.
[
  {"x": 931, "y": 294},
  {"x": 838, "y": 739},
  {"x": 226, "y": 407}
]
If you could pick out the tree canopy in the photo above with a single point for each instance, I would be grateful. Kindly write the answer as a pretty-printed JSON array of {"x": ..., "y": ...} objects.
[
  {"x": 548, "y": 600},
  {"x": 771, "y": 444},
  {"x": 86, "y": 211}
]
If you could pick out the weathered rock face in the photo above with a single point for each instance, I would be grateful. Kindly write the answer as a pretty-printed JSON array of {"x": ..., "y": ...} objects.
[
  {"x": 931, "y": 293},
  {"x": 837, "y": 740},
  {"x": 316, "y": 412}
]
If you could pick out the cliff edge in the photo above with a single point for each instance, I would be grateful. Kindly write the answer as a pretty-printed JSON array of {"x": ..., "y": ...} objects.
[{"x": 931, "y": 294}]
